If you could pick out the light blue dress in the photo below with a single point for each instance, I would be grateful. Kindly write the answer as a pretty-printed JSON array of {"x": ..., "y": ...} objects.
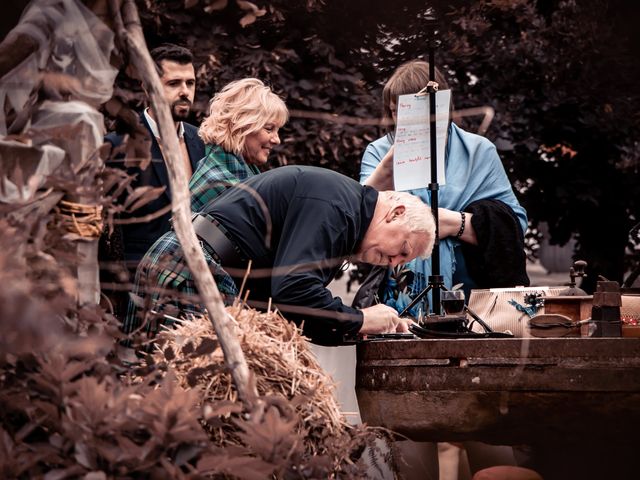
[{"x": 473, "y": 171}]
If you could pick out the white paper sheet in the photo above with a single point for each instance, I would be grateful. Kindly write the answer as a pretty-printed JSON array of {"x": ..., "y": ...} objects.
[{"x": 412, "y": 152}]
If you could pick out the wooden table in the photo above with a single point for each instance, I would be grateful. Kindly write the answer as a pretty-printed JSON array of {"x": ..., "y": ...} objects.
[{"x": 577, "y": 397}]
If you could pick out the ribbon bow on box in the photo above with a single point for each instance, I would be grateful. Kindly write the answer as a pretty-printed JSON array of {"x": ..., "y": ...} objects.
[{"x": 533, "y": 301}]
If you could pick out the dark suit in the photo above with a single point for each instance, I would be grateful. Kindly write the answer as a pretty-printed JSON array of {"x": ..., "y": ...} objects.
[{"x": 138, "y": 237}]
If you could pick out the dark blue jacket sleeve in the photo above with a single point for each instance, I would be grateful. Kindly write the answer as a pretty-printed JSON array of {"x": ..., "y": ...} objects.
[{"x": 316, "y": 238}]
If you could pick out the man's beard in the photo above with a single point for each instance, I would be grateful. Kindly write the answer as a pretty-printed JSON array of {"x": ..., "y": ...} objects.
[{"x": 180, "y": 115}]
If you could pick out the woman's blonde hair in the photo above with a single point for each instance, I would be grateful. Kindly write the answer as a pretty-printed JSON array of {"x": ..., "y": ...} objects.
[
  {"x": 241, "y": 108},
  {"x": 410, "y": 77}
]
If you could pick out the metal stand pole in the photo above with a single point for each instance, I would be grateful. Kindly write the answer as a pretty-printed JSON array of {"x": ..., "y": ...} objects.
[{"x": 435, "y": 281}]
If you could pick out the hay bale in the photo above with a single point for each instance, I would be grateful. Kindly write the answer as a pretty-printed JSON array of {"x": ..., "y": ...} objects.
[{"x": 286, "y": 374}]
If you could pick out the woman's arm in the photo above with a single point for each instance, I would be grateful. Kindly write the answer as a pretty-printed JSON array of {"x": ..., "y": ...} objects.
[
  {"x": 382, "y": 176},
  {"x": 450, "y": 223}
]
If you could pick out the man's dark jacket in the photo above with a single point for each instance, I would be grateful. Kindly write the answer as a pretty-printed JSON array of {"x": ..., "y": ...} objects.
[
  {"x": 315, "y": 219},
  {"x": 138, "y": 237}
]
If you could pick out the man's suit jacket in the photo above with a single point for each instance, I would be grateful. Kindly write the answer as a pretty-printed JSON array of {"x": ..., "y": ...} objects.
[{"x": 138, "y": 237}]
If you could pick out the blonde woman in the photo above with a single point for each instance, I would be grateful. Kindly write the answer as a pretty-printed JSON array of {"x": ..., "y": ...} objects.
[{"x": 239, "y": 133}]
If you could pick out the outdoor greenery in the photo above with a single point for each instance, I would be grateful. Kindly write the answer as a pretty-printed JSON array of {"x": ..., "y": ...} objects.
[
  {"x": 561, "y": 76},
  {"x": 74, "y": 402}
]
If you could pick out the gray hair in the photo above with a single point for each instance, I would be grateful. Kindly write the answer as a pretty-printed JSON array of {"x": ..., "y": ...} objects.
[{"x": 417, "y": 216}]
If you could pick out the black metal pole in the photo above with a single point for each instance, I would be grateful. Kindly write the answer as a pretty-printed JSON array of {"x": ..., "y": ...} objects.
[{"x": 435, "y": 280}]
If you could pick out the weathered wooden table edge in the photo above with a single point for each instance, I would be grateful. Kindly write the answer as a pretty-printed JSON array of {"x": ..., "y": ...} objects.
[{"x": 504, "y": 391}]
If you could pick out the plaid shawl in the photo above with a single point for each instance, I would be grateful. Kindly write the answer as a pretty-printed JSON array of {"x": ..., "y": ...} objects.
[
  {"x": 164, "y": 276},
  {"x": 163, "y": 272},
  {"x": 215, "y": 172}
]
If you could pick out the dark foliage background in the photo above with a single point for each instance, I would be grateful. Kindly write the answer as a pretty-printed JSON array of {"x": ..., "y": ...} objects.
[{"x": 562, "y": 77}]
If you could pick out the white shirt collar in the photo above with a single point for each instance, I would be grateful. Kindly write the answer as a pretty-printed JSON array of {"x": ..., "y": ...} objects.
[{"x": 154, "y": 126}]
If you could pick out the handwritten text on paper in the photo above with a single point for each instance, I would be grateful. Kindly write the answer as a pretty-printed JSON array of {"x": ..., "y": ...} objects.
[{"x": 412, "y": 151}]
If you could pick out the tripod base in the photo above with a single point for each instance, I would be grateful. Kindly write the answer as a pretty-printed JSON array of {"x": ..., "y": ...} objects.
[{"x": 436, "y": 283}]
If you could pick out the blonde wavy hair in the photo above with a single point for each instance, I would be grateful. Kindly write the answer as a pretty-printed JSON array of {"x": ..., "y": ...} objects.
[{"x": 241, "y": 108}]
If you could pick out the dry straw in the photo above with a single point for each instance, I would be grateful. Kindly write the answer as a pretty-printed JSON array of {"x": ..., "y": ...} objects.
[{"x": 284, "y": 368}]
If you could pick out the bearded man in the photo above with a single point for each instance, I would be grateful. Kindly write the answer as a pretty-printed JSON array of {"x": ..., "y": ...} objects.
[{"x": 177, "y": 75}]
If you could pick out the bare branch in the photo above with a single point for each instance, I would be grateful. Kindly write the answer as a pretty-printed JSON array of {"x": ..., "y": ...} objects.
[{"x": 128, "y": 28}]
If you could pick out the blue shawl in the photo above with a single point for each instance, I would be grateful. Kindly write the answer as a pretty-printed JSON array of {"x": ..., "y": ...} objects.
[{"x": 473, "y": 171}]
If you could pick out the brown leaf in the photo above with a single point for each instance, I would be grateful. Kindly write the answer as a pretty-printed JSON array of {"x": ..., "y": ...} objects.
[
  {"x": 114, "y": 177},
  {"x": 216, "y": 5},
  {"x": 48, "y": 409},
  {"x": 252, "y": 7},
  {"x": 5, "y": 441},
  {"x": 138, "y": 150},
  {"x": 207, "y": 346},
  {"x": 188, "y": 349},
  {"x": 141, "y": 196},
  {"x": 95, "y": 476},
  {"x": 73, "y": 369},
  {"x": 253, "y": 12},
  {"x": 220, "y": 408},
  {"x": 248, "y": 19},
  {"x": 186, "y": 453},
  {"x": 195, "y": 373},
  {"x": 137, "y": 300},
  {"x": 26, "y": 430},
  {"x": 130, "y": 449},
  {"x": 126, "y": 355},
  {"x": 113, "y": 106},
  {"x": 244, "y": 467},
  {"x": 273, "y": 437},
  {"x": 85, "y": 455},
  {"x": 17, "y": 176},
  {"x": 62, "y": 473}
]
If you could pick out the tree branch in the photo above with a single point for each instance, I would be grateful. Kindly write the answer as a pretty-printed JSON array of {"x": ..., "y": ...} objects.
[{"x": 128, "y": 28}]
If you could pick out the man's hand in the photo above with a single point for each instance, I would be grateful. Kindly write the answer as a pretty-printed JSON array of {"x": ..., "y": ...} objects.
[{"x": 383, "y": 319}]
